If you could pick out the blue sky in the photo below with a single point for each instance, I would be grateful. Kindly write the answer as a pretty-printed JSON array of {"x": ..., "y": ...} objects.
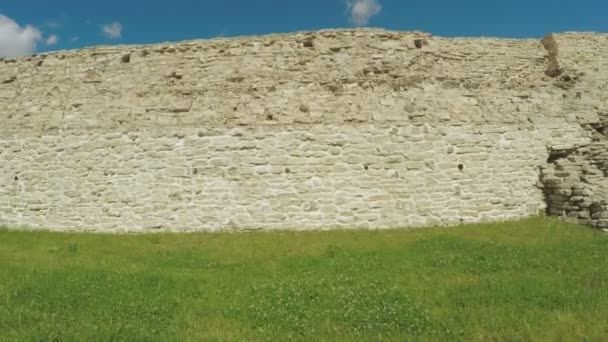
[{"x": 41, "y": 25}]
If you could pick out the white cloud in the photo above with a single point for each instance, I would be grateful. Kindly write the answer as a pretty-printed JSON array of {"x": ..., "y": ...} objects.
[
  {"x": 112, "y": 30},
  {"x": 16, "y": 40},
  {"x": 52, "y": 39},
  {"x": 362, "y": 10}
]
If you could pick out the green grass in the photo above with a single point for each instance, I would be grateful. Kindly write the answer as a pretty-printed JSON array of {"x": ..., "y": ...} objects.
[{"x": 537, "y": 279}]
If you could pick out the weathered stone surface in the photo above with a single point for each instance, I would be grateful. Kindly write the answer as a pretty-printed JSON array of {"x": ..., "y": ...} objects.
[{"x": 336, "y": 128}]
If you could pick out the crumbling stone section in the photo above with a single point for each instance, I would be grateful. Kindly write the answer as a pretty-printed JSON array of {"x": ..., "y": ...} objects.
[
  {"x": 357, "y": 128},
  {"x": 553, "y": 67},
  {"x": 576, "y": 179}
]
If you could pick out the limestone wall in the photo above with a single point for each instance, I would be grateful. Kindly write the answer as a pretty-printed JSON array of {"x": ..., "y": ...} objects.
[{"x": 340, "y": 128}]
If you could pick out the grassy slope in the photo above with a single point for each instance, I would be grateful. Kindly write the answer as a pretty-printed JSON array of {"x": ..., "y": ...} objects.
[{"x": 534, "y": 279}]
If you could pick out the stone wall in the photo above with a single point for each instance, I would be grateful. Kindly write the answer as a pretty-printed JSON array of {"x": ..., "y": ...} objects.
[{"x": 337, "y": 128}]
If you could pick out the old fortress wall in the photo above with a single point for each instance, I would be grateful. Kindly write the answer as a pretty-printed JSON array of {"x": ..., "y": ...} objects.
[{"x": 336, "y": 128}]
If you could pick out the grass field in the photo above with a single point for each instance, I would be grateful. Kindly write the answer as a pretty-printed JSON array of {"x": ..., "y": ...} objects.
[{"x": 537, "y": 279}]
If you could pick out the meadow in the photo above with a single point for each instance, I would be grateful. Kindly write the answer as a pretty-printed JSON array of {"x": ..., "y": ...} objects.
[{"x": 536, "y": 279}]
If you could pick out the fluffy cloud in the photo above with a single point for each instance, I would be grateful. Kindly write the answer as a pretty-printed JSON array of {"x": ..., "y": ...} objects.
[
  {"x": 16, "y": 40},
  {"x": 362, "y": 10},
  {"x": 52, "y": 39},
  {"x": 112, "y": 30}
]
